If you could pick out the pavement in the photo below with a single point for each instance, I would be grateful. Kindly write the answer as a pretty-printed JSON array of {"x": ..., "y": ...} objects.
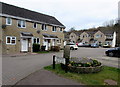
[{"x": 44, "y": 77}]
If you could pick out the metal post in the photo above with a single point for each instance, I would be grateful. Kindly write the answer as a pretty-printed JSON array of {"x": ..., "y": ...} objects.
[
  {"x": 66, "y": 65},
  {"x": 53, "y": 61}
]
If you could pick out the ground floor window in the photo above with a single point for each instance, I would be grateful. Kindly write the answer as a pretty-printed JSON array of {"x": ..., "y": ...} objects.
[
  {"x": 36, "y": 40},
  {"x": 10, "y": 40},
  {"x": 59, "y": 41}
]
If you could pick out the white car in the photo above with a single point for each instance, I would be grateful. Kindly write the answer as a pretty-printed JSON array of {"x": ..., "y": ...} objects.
[
  {"x": 80, "y": 44},
  {"x": 72, "y": 46}
]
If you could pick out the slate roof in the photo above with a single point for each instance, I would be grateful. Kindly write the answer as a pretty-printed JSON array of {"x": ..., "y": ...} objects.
[
  {"x": 108, "y": 32},
  {"x": 92, "y": 32},
  {"x": 28, "y": 14}
]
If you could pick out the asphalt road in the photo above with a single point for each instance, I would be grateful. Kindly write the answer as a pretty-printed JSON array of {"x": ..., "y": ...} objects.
[{"x": 16, "y": 68}]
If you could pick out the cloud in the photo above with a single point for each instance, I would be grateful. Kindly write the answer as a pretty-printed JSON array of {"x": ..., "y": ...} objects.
[{"x": 73, "y": 13}]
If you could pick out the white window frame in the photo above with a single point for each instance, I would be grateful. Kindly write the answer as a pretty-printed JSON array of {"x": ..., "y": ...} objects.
[
  {"x": 60, "y": 29},
  {"x": 21, "y": 23},
  {"x": 7, "y": 21},
  {"x": 54, "y": 28},
  {"x": 59, "y": 41},
  {"x": 11, "y": 38},
  {"x": 36, "y": 40},
  {"x": 44, "y": 27},
  {"x": 34, "y": 26},
  {"x": 98, "y": 36}
]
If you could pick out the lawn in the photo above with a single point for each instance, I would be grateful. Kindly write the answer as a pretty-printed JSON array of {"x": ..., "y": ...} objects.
[{"x": 88, "y": 79}]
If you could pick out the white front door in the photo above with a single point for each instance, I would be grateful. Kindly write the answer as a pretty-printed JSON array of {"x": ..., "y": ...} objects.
[
  {"x": 46, "y": 44},
  {"x": 53, "y": 42},
  {"x": 24, "y": 44}
]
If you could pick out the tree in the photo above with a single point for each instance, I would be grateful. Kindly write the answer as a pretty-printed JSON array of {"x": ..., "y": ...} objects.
[
  {"x": 109, "y": 23},
  {"x": 72, "y": 29}
]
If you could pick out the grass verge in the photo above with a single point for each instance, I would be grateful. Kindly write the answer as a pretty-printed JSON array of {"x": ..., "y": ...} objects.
[{"x": 89, "y": 79}]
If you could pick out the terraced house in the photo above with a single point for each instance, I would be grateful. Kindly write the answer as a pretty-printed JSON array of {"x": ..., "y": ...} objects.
[
  {"x": 95, "y": 36},
  {"x": 22, "y": 27}
]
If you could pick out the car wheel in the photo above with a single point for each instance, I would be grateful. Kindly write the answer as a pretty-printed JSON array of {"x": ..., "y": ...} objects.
[
  {"x": 111, "y": 54},
  {"x": 71, "y": 48}
]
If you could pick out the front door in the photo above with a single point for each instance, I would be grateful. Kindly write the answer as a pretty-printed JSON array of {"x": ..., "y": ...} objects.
[
  {"x": 24, "y": 45},
  {"x": 53, "y": 42},
  {"x": 46, "y": 44}
]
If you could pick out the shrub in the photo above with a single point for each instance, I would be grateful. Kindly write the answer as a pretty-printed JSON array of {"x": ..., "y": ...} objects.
[
  {"x": 36, "y": 47},
  {"x": 43, "y": 48},
  {"x": 55, "y": 48},
  {"x": 83, "y": 65},
  {"x": 84, "y": 62}
]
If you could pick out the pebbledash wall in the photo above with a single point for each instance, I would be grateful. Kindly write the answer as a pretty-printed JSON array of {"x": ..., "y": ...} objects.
[{"x": 15, "y": 39}]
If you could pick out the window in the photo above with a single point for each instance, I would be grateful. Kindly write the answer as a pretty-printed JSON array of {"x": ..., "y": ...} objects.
[
  {"x": 8, "y": 21},
  {"x": 44, "y": 27},
  {"x": 34, "y": 25},
  {"x": 21, "y": 23},
  {"x": 83, "y": 36},
  {"x": 54, "y": 29},
  {"x": 10, "y": 40},
  {"x": 36, "y": 40},
  {"x": 59, "y": 41},
  {"x": 61, "y": 29},
  {"x": 98, "y": 36}
]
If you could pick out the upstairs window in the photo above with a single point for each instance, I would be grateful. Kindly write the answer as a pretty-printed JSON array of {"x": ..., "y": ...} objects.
[
  {"x": 98, "y": 36},
  {"x": 10, "y": 40},
  {"x": 54, "y": 29},
  {"x": 34, "y": 25},
  {"x": 21, "y": 24},
  {"x": 83, "y": 36},
  {"x": 61, "y": 29},
  {"x": 44, "y": 27},
  {"x": 8, "y": 21}
]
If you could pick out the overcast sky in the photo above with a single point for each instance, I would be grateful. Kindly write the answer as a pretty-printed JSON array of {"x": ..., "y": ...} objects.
[{"x": 81, "y": 14}]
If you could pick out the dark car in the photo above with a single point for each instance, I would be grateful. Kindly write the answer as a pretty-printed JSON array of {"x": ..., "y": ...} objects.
[{"x": 113, "y": 52}]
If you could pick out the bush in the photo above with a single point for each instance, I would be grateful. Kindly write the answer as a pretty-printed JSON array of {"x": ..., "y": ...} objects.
[
  {"x": 43, "y": 48},
  {"x": 36, "y": 47},
  {"x": 55, "y": 48},
  {"x": 84, "y": 62}
]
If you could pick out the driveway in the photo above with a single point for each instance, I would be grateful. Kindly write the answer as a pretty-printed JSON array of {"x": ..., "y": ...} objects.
[{"x": 16, "y": 68}]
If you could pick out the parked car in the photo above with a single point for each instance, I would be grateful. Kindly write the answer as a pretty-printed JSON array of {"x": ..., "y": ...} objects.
[
  {"x": 113, "y": 52},
  {"x": 80, "y": 44},
  {"x": 106, "y": 46},
  {"x": 77, "y": 44},
  {"x": 86, "y": 45},
  {"x": 73, "y": 46},
  {"x": 94, "y": 45}
]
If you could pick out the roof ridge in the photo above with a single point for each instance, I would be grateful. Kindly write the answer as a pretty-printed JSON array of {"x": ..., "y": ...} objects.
[
  {"x": 26, "y": 9},
  {"x": 29, "y": 14}
]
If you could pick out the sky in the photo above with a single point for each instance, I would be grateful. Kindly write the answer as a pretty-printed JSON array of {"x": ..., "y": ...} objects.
[{"x": 80, "y": 14}]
